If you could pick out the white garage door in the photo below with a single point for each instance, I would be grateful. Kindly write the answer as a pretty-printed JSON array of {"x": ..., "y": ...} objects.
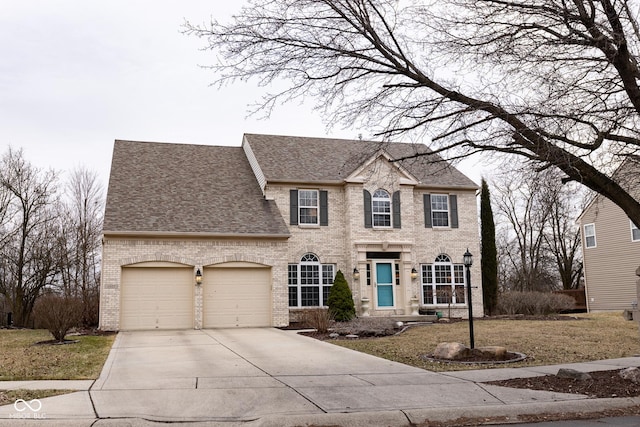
[
  {"x": 237, "y": 297},
  {"x": 156, "y": 298}
]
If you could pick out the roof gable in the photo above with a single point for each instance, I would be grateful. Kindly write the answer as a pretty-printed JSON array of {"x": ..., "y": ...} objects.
[{"x": 312, "y": 160}]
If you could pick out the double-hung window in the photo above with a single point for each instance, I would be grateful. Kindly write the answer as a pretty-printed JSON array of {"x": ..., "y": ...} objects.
[
  {"x": 440, "y": 210},
  {"x": 590, "y": 235},
  {"x": 310, "y": 282},
  {"x": 308, "y": 207},
  {"x": 443, "y": 282},
  {"x": 381, "y": 208}
]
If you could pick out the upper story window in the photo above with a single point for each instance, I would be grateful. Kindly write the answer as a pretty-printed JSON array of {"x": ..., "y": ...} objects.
[
  {"x": 635, "y": 232},
  {"x": 381, "y": 209},
  {"x": 441, "y": 211},
  {"x": 308, "y": 207},
  {"x": 590, "y": 235}
]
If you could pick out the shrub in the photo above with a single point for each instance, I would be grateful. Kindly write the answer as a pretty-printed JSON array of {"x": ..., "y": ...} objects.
[
  {"x": 340, "y": 301},
  {"x": 318, "y": 319},
  {"x": 533, "y": 303},
  {"x": 57, "y": 314}
]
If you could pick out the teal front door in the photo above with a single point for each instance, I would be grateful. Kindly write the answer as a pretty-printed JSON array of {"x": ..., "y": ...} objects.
[{"x": 384, "y": 284}]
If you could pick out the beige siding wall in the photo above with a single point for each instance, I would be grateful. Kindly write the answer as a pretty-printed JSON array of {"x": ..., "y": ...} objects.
[
  {"x": 198, "y": 253},
  {"x": 345, "y": 240},
  {"x": 610, "y": 266}
]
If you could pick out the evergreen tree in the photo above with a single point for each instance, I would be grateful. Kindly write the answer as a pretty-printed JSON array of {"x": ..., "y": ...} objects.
[
  {"x": 340, "y": 300},
  {"x": 489, "y": 258}
]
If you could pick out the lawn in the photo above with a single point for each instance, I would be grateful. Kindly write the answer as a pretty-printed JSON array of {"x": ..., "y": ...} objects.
[
  {"x": 22, "y": 359},
  {"x": 545, "y": 342}
]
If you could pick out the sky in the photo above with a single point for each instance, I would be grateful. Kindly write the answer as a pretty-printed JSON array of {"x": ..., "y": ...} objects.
[{"x": 75, "y": 75}]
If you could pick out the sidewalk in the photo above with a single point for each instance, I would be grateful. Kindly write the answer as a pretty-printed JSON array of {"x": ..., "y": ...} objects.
[{"x": 251, "y": 378}]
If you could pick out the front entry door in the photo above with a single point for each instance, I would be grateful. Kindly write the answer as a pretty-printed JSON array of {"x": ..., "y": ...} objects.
[{"x": 384, "y": 284}]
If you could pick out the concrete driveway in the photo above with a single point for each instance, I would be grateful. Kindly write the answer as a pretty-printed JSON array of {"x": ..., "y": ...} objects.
[{"x": 245, "y": 374}]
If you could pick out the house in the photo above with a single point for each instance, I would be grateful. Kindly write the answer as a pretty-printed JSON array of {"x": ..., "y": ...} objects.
[
  {"x": 611, "y": 247},
  {"x": 209, "y": 236}
]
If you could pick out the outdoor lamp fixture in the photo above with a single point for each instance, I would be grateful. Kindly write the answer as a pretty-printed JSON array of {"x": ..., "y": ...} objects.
[
  {"x": 356, "y": 273},
  {"x": 198, "y": 277},
  {"x": 468, "y": 262},
  {"x": 414, "y": 274}
]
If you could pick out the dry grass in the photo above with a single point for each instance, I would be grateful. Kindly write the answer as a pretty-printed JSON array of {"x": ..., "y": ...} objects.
[
  {"x": 546, "y": 342},
  {"x": 22, "y": 359},
  {"x": 10, "y": 396}
]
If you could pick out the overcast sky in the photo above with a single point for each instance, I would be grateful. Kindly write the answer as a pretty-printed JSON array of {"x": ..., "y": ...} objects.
[{"x": 75, "y": 75}]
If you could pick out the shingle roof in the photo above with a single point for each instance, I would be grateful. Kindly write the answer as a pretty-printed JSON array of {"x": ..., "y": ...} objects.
[
  {"x": 301, "y": 159},
  {"x": 179, "y": 188}
]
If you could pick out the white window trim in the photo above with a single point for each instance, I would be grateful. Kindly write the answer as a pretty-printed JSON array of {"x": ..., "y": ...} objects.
[
  {"x": 595, "y": 240},
  {"x": 633, "y": 227},
  {"x": 374, "y": 213},
  {"x": 321, "y": 285},
  {"x": 433, "y": 284},
  {"x": 300, "y": 207},
  {"x": 433, "y": 211}
]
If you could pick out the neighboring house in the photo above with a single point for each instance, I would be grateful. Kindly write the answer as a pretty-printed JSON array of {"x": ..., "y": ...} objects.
[
  {"x": 611, "y": 247},
  {"x": 269, "y": 224}
]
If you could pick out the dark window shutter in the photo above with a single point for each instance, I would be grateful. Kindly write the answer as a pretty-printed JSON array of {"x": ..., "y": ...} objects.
[
  {"x": 368, "y": 223},
  {"x": 324, "y": 208},
  {"x": 293, "y": 207},
  {"x": 427, "y": 210},
  {"x": 453, "y": 210},
  {"x": 396, "y": 210}
]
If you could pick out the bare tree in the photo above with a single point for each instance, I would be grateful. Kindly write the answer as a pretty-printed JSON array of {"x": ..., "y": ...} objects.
[
  {"x": 30, "y": 254},
  {"x": 82, "y": 223},
  {"x": 553, "y": 81},
  {"x": 563, "y": 237},
  {"x": 539, "y": 231},
  {"x": 524, "y": 206}
]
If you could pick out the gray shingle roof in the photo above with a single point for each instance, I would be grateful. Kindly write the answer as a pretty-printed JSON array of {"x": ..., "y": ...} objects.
[
  {"x": 301, "y": 159},
  {"x": 179, "y": 188}
]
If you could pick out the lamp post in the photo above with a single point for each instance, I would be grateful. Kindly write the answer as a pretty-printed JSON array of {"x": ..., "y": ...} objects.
[{"x": 468, "y": 262}]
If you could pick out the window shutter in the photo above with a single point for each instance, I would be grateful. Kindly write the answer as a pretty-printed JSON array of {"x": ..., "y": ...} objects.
[
  {"x": 368, "y": 220},
  {"x": 453, "y": 208},
  {"x": 293, "y": 207},
  {"x": 396, "y": 210},
  {"x": 324, "y": 208},
  {"x": 427, "y": 210}
]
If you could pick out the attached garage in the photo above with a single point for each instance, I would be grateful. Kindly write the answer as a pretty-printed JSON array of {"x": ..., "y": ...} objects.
[
  {"x": 236, "y": 295},
  {"x": 156, "y": 297}
]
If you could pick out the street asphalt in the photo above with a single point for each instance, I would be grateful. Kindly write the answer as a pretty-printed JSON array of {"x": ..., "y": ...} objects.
[{"x": 270, "y": 377}]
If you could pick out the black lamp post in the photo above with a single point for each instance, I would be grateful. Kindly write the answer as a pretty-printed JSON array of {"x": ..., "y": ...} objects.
[{"x": 468, "y": 262}]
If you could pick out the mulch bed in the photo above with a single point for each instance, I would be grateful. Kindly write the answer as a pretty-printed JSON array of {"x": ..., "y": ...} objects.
[{"x": 603, "y": 384}]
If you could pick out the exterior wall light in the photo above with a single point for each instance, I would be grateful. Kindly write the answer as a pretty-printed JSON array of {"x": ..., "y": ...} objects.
[
  {"x": 198, "y": 277},
  {"x": 414, "y": 274},
  {"x": 356, "y": 274}
]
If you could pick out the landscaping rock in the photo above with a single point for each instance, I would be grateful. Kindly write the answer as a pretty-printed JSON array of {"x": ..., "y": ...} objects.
[
  {"x": 351, "y": 336},
  {"x": 493, "y": 352},
  {"x": 573, "y": 374},
  {"x": 631, "y": 374},
  {"x": 451, "y": 351},
  {"x": 334, "y": 335}
]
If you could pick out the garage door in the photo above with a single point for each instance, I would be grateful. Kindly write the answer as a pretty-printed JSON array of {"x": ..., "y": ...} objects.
[
  {"x": 156, "y": 298},
  {"x": 237, "y": 297}
]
